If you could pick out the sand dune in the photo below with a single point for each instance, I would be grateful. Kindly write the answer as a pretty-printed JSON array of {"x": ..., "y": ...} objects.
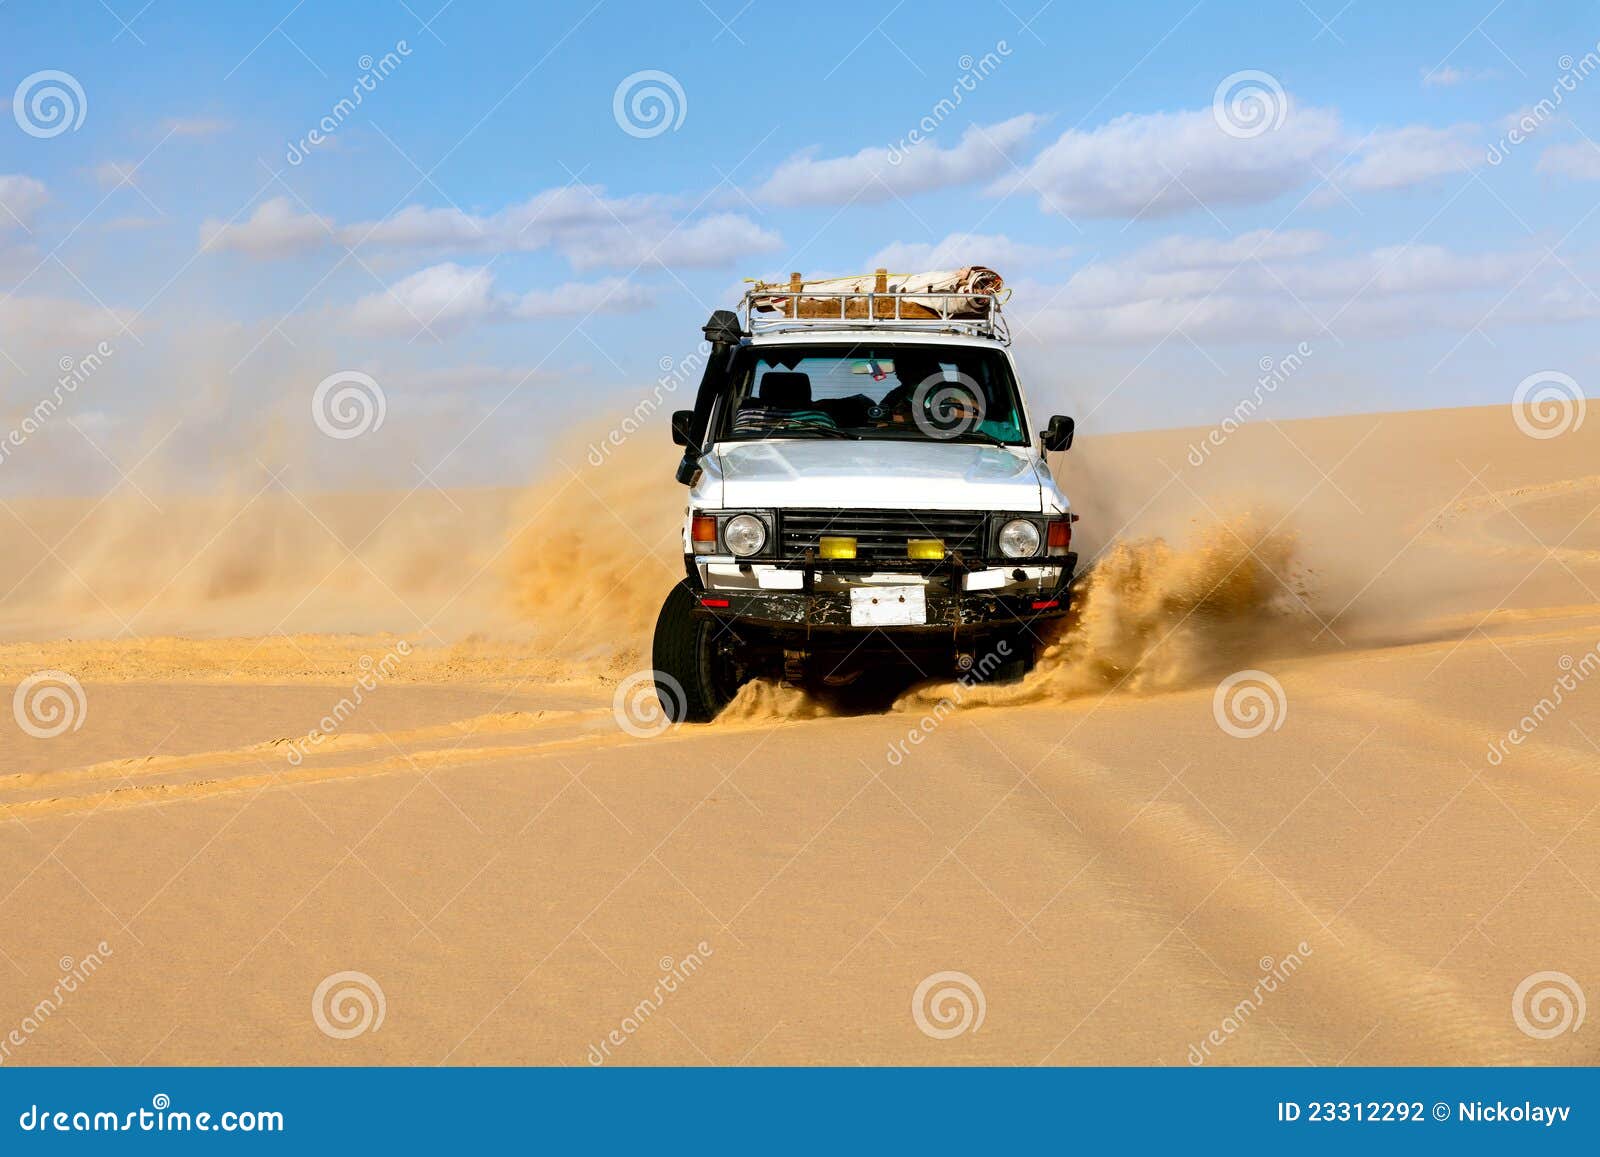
[{"x": 375, "y": 735}]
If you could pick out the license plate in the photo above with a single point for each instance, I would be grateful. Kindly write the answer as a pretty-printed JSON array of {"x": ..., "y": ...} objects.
[{"x": 888, "y": 607}]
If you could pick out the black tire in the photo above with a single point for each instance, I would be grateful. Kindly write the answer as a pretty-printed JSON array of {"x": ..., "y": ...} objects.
[
  {"x": 695, "y": 677},
  {"x": 1015, "y": 666},
  {"x": 1011, "y": 671}
]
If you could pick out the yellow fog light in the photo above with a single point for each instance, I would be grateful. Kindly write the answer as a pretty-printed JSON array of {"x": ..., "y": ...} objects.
[
  {"x": 925, "y": 548},
  {"x": 830, "y": 546}
]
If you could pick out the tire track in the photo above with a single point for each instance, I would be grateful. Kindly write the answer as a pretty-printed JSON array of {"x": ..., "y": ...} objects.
[{"x": 1237, "y": 910}]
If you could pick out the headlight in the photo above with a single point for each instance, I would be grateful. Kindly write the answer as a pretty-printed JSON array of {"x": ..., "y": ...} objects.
[
  {"x": 1019, "y": 538},
  {"x": 745, "y": 534}
]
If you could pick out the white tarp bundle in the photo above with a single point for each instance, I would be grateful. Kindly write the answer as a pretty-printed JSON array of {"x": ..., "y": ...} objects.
[{"x": 973, "y": 279}]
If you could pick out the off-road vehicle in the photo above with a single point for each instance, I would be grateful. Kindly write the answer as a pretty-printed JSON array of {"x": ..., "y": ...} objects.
[{"x": 866, "y": 488}]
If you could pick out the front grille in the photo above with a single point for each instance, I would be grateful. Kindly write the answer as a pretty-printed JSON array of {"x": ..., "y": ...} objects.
[{"x": 881, "y": 534}]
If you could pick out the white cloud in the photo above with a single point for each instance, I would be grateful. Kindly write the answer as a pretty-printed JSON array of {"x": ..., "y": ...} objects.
[
  {"x": 532, "y": 224},
  {"x": 20, "y": 198},
  {"x": 110, "y": 174},
  {"x": 1162, "y": 163},
  {"x": 612, "y": 295},
  {"x": 878, "y": 174},
  {"x": 276, "y": 228},
  {"x": 1579, "y": 160},
  {"x": 1400, "y": 158},
  {"x": 1157, "y": 164},
  {"x": 1216, "y": 290},
  {"x": 1530, "y": 119},
  {"x": 709, "y": 243},
  {"x": 553, "y": 212},
  {"x": 1449, "y": 76},
  {"x": 1138, "y": 165},
  {"x": 194, "y": 126},
  {"x": 581, "y": 223},
  {"x": 448, "y": 297},
  {"x": 31, "y": 327},
  {"x": 959, "y": 250},
  {"x": 415, "y": 227},
  {"x": 1409, "y": 269},
  {"x": 1183, "y": 252},
  {"x": 439, "y": 298}
]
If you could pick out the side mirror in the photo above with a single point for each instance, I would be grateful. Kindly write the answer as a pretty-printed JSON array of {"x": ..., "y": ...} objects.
[
  {"x": 682, "y": 423},
  {"x": 1058, "y": 434}
]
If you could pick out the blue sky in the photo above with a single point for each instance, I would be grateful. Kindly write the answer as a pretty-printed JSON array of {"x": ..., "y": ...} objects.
[{"x": 1383, "y": 220}]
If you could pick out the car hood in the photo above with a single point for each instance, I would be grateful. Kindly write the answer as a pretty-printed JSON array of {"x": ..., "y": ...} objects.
[{"x": 910, "y": 475}]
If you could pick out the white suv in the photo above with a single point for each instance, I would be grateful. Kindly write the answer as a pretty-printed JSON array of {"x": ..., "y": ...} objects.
[{"x": 861, "y": 492}]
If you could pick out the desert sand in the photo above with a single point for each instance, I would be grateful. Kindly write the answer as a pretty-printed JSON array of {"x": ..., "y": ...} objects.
[{"x": 1118, "y": 877}]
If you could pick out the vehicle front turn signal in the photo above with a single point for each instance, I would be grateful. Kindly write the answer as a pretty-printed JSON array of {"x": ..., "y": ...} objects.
[
  {"x": 833, "y": 546},
  {"x": 1060, "y": 535},
  {"x": 703, "y": 534},
  {"x": 925, "y": 548}
]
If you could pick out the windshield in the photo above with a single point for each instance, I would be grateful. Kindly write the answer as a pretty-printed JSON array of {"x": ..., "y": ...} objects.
[{"x": 879, "y": 391}]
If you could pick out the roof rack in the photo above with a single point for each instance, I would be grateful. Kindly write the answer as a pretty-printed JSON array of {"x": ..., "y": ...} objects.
[{"x": 777, "y": 308}]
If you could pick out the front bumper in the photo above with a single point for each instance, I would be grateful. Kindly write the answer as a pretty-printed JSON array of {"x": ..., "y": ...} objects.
[{"x": 822, "y": 601}]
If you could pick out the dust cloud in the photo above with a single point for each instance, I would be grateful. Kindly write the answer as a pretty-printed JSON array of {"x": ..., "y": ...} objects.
[
  {"x": 1155, "y": 616},
  {"x": 569, "y": 573}
]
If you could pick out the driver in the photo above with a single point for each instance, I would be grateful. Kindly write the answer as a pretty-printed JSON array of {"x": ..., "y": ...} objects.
[
  {"x": 945, "y": 403},
  {"x": 911, "y": 369}
]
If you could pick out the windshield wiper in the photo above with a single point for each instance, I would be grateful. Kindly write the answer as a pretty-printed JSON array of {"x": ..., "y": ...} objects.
[
  {"x": 790, "y": 425},
  {"x": 983, "y": 434}
]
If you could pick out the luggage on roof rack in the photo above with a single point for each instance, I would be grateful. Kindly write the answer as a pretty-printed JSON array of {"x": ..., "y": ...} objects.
[{"x": 963, "y": 300}]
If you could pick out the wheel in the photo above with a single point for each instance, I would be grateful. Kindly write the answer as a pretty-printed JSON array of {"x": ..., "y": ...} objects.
[
  {"x": 1013, "y": 670},
  {"x": 695, "y": 672},
  {"x": 1010, "y": 666}
]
